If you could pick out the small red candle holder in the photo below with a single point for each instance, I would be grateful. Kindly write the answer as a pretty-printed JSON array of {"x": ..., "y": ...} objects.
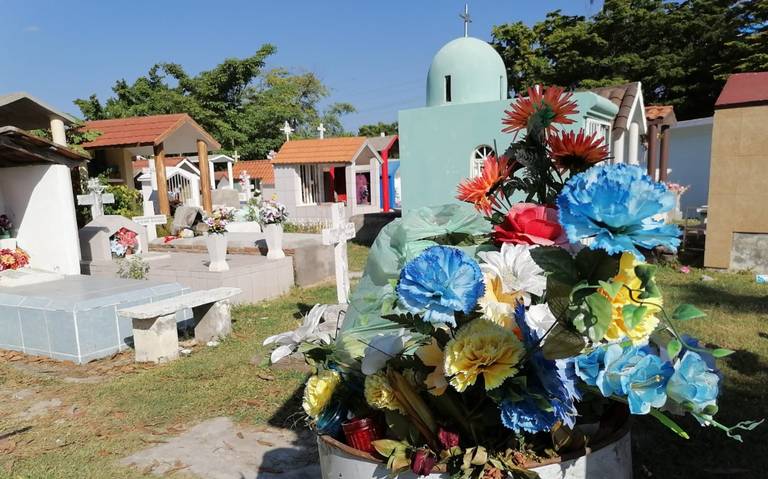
[{"x": 360, "y": 433}]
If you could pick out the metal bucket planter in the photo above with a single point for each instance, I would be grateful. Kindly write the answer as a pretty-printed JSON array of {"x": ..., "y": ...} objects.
[
  {"x": 274, "y": 237},
  {"x": 217, "y": 252},
  {"x": 608, "y": 458}
]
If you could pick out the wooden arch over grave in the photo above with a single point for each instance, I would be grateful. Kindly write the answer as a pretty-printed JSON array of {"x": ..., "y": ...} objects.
[{"x": 158, "y": 135}]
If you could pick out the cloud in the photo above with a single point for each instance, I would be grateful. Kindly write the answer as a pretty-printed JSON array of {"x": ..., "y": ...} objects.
[{"x": 32, "y": 29}]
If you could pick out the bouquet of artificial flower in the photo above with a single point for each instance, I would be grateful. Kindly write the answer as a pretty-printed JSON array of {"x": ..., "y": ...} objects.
[
  {"x": 13, "y": 259},
  {"x": 218, "y": 220},
  {"x": 485, "y": 344},
  {"x": 272, "y": 212},
  {"x": 5, "y": 225}
]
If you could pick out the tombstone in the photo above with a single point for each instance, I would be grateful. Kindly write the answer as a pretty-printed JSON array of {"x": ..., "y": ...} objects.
[
  {"x": 337, "y": 235},
  {"x": 96, "y": 198},
  {"x": 95, "y": 237},
  {"x": 185, "y": 217},
  {"x": 225, "y": 197},
  {"x": 150, "y": 223}
]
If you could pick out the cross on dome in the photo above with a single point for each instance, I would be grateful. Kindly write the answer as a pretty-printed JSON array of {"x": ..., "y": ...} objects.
[{"x": 467, "y": 19}]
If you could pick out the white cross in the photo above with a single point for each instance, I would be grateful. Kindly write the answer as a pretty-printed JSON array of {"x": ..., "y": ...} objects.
[
  {"x": 96, "y": 198},
  {"x": 321, "y": 129},
  {"x": 235, "y": 156},
  {"x": 287, "y": 130},
  {"x": 337, "y": 235},
  {"x": 467, "y": 19},
  {"x": 151, "y": 223},
  {"x": 246, "y": 186}
]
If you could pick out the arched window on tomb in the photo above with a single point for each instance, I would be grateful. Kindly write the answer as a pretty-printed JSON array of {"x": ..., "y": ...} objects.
[{"x": 478, "y": 157}]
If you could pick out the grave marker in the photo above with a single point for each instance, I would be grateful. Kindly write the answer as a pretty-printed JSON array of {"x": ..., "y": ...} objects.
[
  {"x": 96, "y": 199},
  {"x": 151, "y": 223},
  {"x": 337, "y": 235}
]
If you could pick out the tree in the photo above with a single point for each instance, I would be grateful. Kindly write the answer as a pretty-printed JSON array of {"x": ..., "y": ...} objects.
[
  {"x": 239, "y": 102},
  {"x": 377, "y": 129},
  {"x": 681, "y": 51}
]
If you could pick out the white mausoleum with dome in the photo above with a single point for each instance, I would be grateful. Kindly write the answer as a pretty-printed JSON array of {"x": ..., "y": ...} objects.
[{"x": 447, "y": 140}]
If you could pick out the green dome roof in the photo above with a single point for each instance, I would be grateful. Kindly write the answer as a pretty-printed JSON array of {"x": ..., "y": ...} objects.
[{"x": 466, "y": 70}]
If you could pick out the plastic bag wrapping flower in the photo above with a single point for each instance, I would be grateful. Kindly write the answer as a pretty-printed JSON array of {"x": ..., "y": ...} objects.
[
  {"x": 616, "y": 205},
  {"x": 439, "y": 282},
  {"x": 397, "y": 243},
  {"x": 693, "y": 383}
]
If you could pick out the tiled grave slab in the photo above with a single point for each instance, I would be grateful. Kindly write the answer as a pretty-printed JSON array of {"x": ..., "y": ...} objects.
[{"x": 75, "y": 318}]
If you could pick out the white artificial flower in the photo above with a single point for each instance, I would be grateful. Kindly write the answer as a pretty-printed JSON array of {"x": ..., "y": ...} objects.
[
  {"x": 308, "y": 332},
  {"x": 540, "y": 319},
  {"x": 381, "y": 349},
  {"x": 517, "y": 270}
]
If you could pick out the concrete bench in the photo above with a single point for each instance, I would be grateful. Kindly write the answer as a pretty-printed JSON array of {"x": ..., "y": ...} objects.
[{"x": 155, "y": 334}]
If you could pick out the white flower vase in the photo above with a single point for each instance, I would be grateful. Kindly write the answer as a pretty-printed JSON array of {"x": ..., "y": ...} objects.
[
  {"x": 8, "y": 243},
  {"x": 274, "y": 237},
  {"x": 217, "y": 252}
]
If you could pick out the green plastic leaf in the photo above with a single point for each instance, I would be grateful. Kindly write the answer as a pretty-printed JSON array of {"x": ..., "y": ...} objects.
[
  {"x": 594, "y": 316},
  {"x": 669, "y": 423},
  {"x": 596, "y": 265},
  {"x": 562, "y": 343},
  {"x": 611, "y": 288},
  {"x": 556, "y": 262},
  {"x": 647, "y": 273},
  {"x": 687, "y": 311},
  {"x": 633, "y": 315},
  {"x": 722, "y": 352},
  {"x": 673, "y": 348}
]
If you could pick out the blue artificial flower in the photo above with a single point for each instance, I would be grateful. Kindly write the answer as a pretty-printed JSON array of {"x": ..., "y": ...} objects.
[
  {"x": 440, "y": 281},
  {"x": 526, "y": 416},
  {"x": 693, "y": 383},
  {"x": 588, "y": 366},
  {"x": 618, "y": 361},
  {"x": 646, "y": 383},
  {"x": 557, "y": 377},
  {"x": 615, "y": 205}
]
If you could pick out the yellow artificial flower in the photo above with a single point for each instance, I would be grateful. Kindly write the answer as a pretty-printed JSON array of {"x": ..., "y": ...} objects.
[
  {"x": 497, "y": 305},
  {"x": 379, "y": 393},
  {"x": 618, "y": 330},
  {"x": 482, "y": 348},
  {"x": 431, "y": 355},
  {"x": 318, "y": 392}
]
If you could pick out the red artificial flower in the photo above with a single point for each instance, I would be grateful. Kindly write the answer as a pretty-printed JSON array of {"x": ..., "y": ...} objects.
[
  {"x": 127, "y": 237},
  {"x": 448, "y": 439},
  {"x": 422, "y": 462},
  {"x": 481, "y": 191},
  {"x": 552, "y": 106},
  {"x": 577, "y": 151},
  {"x": 13, "y": 259},
  {"x": 531, "y": 224}
]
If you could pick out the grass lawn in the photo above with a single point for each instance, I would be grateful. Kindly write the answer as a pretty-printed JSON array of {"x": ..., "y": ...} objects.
[{"x": 133, "y": 407}]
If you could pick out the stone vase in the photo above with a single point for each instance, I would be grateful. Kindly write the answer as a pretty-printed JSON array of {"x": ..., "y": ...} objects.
[
  {"x": 274, "y": 237},
  {"x": 217, "y": 252},
  {"x": 610, "y": 458}
]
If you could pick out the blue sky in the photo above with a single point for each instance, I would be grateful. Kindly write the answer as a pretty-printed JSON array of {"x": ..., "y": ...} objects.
[{"x": 373, "y": 54}]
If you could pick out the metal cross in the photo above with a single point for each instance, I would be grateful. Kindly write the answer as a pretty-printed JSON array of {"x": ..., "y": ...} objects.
[
  {"x": 467, "y": 19},
  {"x": 287, "y": 130},
  {"x": 321, "y": 129}
]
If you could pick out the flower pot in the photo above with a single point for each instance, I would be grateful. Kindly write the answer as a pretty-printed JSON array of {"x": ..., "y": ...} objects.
[
  {"x": 274, "y": 237},
  {"x": 7, "y": 243},
  {"x": 217, "y": 252},
  {"x": 608, "y": 458}
]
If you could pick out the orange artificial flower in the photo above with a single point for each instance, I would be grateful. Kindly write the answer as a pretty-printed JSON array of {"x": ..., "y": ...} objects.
[
  {"x": 553, "y": 107},
  {"x": 577, "y": 152},
  {"x": 481, "y": 190}
]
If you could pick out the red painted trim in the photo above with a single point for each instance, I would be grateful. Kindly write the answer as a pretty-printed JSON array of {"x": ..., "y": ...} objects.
[{"x": 385, "y": 173}]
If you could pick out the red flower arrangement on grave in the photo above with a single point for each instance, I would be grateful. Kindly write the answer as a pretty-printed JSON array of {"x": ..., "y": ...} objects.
[
  {"x": 482, "y": 191},
  {"x": 13, "y": 259},
  {"x": 552, "y": 106},
  {"x": 530, "y": 224},
  {"x": 576, "y": 152},
  {"x": 124, "y": 242}
]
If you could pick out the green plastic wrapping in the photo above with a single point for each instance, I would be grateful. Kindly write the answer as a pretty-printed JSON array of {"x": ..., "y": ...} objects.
[{"x": 397, "y": 243}]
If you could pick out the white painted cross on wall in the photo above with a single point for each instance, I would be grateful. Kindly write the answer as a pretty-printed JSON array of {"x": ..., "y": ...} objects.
[{"x": 337, "y": 235}]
